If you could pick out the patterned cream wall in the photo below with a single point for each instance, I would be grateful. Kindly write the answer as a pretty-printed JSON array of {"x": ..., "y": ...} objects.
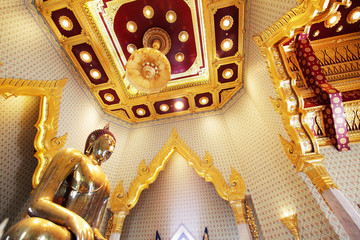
[
  {"x": 272, "y": 181},
  {"x": 17, "y": 164},
  {"x": 180, "y": 196},
  {"x": 261, "y": 14}
]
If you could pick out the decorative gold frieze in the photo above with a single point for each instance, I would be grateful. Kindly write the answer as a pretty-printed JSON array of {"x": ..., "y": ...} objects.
[{"x": 234, "y": 192}]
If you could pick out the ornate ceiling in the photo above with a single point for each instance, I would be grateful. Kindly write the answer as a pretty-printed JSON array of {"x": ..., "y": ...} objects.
[{"x": 203, "y": 41}]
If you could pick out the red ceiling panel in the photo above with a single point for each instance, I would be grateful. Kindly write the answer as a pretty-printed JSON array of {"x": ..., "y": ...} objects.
[
  {"x": 55, "y": 16},
  {"x": 94, "y": 64},
  {"x": 133, "y": 11}
]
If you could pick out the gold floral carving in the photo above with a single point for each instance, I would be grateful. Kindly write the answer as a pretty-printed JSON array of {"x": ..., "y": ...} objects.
[
  {"x": 234, "y": 192},
  {"x": 251, "y": 221},
  {"x": 46, "y": 143}
]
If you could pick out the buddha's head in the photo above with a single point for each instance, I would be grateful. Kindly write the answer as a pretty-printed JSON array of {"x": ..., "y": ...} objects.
[{"x": 100, "y": 143}]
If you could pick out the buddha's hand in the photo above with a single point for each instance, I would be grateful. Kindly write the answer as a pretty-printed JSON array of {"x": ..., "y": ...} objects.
[
  {"x": 97, "y": 235},
  {"x": 80, "y": 228}
]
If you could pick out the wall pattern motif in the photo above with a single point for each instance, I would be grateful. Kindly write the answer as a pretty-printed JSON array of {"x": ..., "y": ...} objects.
[{"x": 17, "y": 163}]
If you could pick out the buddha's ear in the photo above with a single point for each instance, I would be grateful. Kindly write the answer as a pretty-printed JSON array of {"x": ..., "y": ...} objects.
[{"x": 91, "y": 142}]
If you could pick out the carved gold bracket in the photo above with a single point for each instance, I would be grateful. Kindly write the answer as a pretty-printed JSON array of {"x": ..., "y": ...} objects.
[
  {"x": 46, "y": 141},
  {"x": 234, "y": 192}
]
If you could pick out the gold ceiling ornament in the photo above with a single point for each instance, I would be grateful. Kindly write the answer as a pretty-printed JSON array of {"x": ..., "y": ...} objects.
[
  {"x": 121, "y": 203},
  {"x": 226, "y": 22},
  {"x": 96, "y": 74},
  {"x": 226, "y": 44},
  {"x": 353, "y": 16},
  {"x": 227, "y": 73},
  {"x": 183, "y": 36},
  {"x": 109, "y": 97},
  {"x": 66, "y": 23},
  {"x": 148, "y": 70},
  {"x": 131, "y": 26},
  {"x": 179, "y": 57},
  {"x": 203, "y": 100},
  {"x": 85, "y": 56},
  {"x": 131, "y": 48},
  {"x": 158, "y": 39},
  {"x": 164, "y": 107},
  {"x": 332, "y": 20},
  {"x": 171, "y": 16},
  {"x": 291, "y": 223},
  {"x": 316, "y": 33},
  {"x": 46, "y": 142},
  {"x": 339, "y": 28},
  {"x": 140, "y": 111},
  {"x": 148, "y": 12}
]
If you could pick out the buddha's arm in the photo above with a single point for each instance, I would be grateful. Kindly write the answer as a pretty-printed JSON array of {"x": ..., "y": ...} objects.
[{"x": 42, "y": 204}]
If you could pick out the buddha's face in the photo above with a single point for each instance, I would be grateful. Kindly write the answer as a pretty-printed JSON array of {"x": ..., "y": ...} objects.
[{"x": 103, "y": 147}]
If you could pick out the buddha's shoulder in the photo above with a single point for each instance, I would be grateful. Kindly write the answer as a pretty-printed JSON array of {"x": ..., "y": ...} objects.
[{"x": 71, "y": 153}]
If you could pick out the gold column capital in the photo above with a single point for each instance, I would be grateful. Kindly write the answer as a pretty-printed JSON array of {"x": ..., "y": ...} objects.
[
  {"x": 118, "y": 220},
  {"x": 238, "y": 207},
  {"x": 318, "y": 175}
]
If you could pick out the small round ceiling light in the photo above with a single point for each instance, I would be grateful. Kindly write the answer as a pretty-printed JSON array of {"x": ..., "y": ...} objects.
[
  {"x": 183, "y": 36},
  {"x": 179, "y": 105},
  {"x": 140, "y": 111},
  {"x": 333, "y": 20},
  {"x": 95, "y": 73},
  {"x": 131, "y": 26},
  {"x": 339, "y": 28},
  {"x": 226, "y": 44},
  {"x": 164, "y": 107},
  {"x": 227, "y": 73},
  {"x": 226, "y": 22},
  {"x": 171, "y": 16},
  {"x": 66, "y": 23},
  {"x": 179, "y": 57},
  {"x": 85, "y": 56},
  {"x": 316, "y": 33},
  {"x": 131, "y": 48},
  {"x": 148, "y": 12},
  {"x": 353, "y": 16},
  {"x": 109, "y": 97},
  {"x": 203, "y": 100}
]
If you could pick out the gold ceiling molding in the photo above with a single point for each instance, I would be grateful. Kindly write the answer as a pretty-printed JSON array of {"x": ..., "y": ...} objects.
[
  {"x": 234, "y": 192},
  {"x": 46, "y": 142},
  {"x": 201, "y": 77}
]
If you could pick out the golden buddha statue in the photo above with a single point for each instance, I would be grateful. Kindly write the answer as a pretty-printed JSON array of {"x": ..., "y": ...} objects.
[{"x": 72, "y": 195}]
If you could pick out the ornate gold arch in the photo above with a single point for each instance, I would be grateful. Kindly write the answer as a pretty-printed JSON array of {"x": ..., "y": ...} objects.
[
  {"x": 46, "y": 143},
  {"x": 234, "y": 193}
]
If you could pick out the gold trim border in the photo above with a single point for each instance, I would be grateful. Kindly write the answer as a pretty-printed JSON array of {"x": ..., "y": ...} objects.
[
  {"x": 235, "y": 191},
  {"x": 46, "y": 143}
]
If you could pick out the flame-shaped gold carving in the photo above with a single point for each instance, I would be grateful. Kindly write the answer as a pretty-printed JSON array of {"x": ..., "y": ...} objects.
[
  {"x": 46, "y": 143},
  {"x": 234, "y": 192}
]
